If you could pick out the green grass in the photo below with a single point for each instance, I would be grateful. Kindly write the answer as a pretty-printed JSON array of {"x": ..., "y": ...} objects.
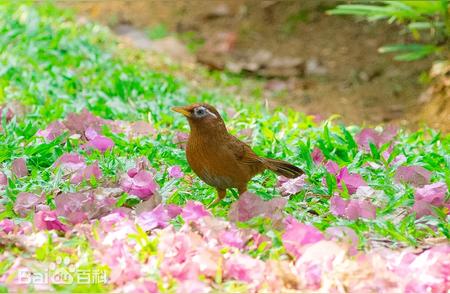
[{"x": 52, "y": 65}]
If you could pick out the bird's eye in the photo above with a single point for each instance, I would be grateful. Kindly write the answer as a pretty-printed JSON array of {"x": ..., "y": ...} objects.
[{"x": 200, "y": 111}]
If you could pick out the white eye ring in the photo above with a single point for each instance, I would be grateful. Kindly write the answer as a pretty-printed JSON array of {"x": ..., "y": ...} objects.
[{"x": 202, "y": 111}]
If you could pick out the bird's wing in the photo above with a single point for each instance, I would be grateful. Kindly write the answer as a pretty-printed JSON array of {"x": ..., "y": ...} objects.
[{"x": 242, "y": 151}]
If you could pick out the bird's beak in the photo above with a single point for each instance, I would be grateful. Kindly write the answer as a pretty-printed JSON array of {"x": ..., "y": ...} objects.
[{"x": 182, "y": 110}]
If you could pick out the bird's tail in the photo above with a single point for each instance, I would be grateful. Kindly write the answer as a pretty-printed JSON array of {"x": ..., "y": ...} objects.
[{"x": 282, "y": 168}]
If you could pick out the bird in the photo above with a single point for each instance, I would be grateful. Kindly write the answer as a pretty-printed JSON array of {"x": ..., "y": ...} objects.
[{"x": 220, "y": 159}]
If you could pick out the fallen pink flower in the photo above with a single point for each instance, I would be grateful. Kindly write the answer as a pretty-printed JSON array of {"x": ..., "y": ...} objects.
[
  {"x": 25, "y": 203},
  {"x": 175, "y": 172},
  {"x": 293, "y": 186},
  {"x": 78, "y": 123},
  {"x": 352, "y": 181},
  {"x": 48, "y": 220},
  {"x": 3, "y": 179},
  {"x": 428, "y": 197},
  {"x": 100, "y": 143},
  {"x": 242, "y": 267},
  {"x": 193, "y": 286},
  {"x": 124, "y": 266},
  {"x": 414, "y": 175},
  {"x": 7, "y": 225},
  {"x": 344, "y": 234},
  {"x": 317, "y": 156},
  {"x": 19, "y": 168},
  {"x": 298, "y": 235},
  {"x": 232, "y": 237},
  {"x": 54, "y": 130},
  {"x": 194, "y": 211},
  {"x": 70, "y": 162},
  {"x": 250, "y": 205},
  {"x": 181, "y": 139},
  {"x": 377, "y": 138},
  {"x": 157, "y": 218},
  {"x": 173, "y": 210},
  {"x": 139, "y": 183},
  {"x": 87, "y": 173},
  {"x": 332, "y": 167},
  {"x": 352, "y": 209},
  {"x": 71, "y": 206}
]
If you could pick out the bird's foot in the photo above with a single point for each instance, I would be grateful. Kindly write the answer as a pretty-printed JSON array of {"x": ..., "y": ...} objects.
[{"x": 214, "y": 203}]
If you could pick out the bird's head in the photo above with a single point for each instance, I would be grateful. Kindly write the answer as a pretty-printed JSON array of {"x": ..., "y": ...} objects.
[{"x": 201, "y": 116}]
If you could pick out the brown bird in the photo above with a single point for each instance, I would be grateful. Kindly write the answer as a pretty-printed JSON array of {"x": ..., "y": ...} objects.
[{"x": 220, "y": 159}]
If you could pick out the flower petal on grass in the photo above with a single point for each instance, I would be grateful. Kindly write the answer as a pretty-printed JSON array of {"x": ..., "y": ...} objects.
[
  {"x": 414, "y": 175},
  {"x": 71, "y": 206},
  {"x": 157, "y": 218},
  {"x": 298, "y": 235},
  {"x": 19, "y": 168},
  {"x": 352, "y": 181},
  {"x": 428, "y": 196},
  {"x": 3, "y": 179},
  {"x": 48, "y": 220},
  {"x": 139, "y": 183},
  {"x": 317, "y": 156},
  {"x": 352, "y": 209},
  {"x": 194, "y": 211},
  {"x": 53, "y": 130},
  {"x": 25, "y": 203},
  {"x": 175, "y": 172},
  {"x": 70, "y": 161},
  {"x": 86, "y": 173},
  {"x": 292, "y": 186},
  {"x": 250, "y": 205},
  {"x": 7, "y": 225},
  {"x": 100, "y": 143}
]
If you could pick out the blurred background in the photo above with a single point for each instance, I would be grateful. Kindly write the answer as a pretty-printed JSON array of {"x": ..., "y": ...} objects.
[{"x": 372, "y": 63}]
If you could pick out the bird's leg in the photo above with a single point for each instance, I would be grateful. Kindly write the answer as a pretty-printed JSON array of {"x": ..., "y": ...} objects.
[{"x": 220, "y": 195}]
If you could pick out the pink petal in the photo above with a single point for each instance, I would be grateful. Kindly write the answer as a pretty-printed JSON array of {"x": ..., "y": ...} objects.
[
  {"x": 317, "y": 156},
  {"x": 332, "y": 167},
  {"x": 360, "y": 209},
  {"x": 47, "y": 220},
  {"x": 244, "y": 268},
  {"x": 352, "y": 181},
  {"x": 25, "y": 203},
  {"x": 55, "y": 129},
  {"x": 90, "y": 133},
  {"x": 429, "y": 196},
  {"x": 181, "y": 139},
  {"x": 101, "y": 143},
  {"x": 338, "y": 205},
  {"x": 70, "y": 161},
  {"x": 298, "y": 235},
  {"x": 140, "y": 184},
  {"x": 3, "y": 179},
  {"x": 173, "y": 210},
  {"x": 157, "y": 218},
  {"x": 90, "y": 171},
  {"x": 232, "y": 237},
  {"x": 19, "y": 168},
  {"x": 7, "y": 225},
  {"x": 175, "y": 172},
  {"x": 71, "y": 206},
  {"x": 194, "y": 211},
  {"x": 415, "y": 175},
  {"x": 293, "y": 186},
  {"x": 250, "y": 205}
]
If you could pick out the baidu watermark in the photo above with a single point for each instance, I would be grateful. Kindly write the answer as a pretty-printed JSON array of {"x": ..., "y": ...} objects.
[{"x": 62, "y": 273}]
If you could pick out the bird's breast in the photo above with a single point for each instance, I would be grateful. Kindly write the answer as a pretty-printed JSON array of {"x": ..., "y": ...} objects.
[{"x": 214, "y": 164}]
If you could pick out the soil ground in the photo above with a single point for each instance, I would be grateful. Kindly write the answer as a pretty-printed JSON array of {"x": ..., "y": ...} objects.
[{"x": 355, "y": 82}]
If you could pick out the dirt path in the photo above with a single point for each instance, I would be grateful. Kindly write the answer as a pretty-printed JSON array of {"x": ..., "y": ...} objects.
[{"x": 344, "y": 73}]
